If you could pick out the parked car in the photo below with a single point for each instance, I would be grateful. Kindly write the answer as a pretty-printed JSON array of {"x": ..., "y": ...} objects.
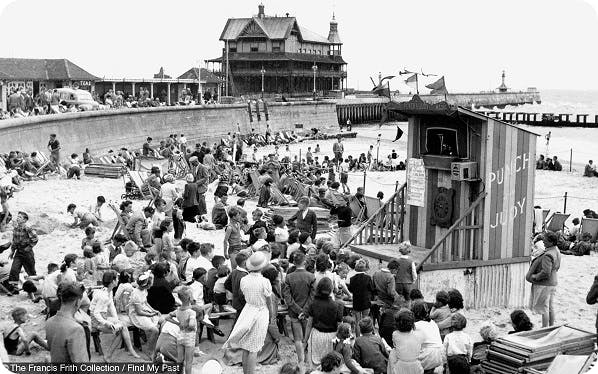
[{"x": 80, "y": 98}]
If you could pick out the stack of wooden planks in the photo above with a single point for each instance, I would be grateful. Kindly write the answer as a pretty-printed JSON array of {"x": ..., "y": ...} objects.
[
  {"x": 536, "y": 350},
  {"x": 113, "y": 171}
]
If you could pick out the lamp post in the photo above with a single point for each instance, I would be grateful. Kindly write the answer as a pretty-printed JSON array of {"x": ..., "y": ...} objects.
[
  {"x": 263, "y": 72},
  {"x": 315, "y": 69}
]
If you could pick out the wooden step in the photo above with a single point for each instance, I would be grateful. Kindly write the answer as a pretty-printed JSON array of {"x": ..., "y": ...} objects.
[{"x": 387, "y": 252}]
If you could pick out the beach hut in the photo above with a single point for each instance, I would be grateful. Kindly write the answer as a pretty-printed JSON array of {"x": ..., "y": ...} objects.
[{"x": 467, "y": 205}]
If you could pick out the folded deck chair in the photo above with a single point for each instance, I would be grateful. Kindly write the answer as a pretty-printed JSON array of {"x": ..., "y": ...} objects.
[
  {"x": 556, "y": 222},
  {"x": 120, "y": 224},
  {"x": 590, "y": 225}
]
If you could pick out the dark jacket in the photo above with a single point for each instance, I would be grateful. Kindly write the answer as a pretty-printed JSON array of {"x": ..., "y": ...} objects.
[
  {"x": 384, "y": 283},
  {"x": 298, "y": 291},
  {"x": 309, "y": 224},
  {"x": 543, "y": 269},
  {"x": 191, "y": 195},
  {"x": 592, "y": 297},
  {"x": 369, "y": 351},
  {"x": 362, "y": 288},
  {"x": 233, "y": 284},
  {"x": 159, "y": 296}
]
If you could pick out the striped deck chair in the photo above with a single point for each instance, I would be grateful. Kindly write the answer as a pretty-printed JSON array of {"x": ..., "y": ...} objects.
[
  {"x": 357, "y": 209},
  {"x": 278, "y": 196},
  {"x": 556, "y": 222},
  {"x": 120, "y": 224},
  {"x": 45, "y": 165},
  {"x": 590, "y": 225}
]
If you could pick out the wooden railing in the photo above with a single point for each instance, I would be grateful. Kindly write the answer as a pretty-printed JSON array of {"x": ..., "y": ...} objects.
[
  {"x": 385, "y": 226},
  {"x": 463, "y": 240}
]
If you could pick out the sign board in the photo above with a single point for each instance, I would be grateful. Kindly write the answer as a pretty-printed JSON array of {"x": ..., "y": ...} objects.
[{"x": 416, "y": 182}]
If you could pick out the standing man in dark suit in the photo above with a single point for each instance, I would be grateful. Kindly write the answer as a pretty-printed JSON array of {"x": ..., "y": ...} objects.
[{"x": 306, "y": 219}]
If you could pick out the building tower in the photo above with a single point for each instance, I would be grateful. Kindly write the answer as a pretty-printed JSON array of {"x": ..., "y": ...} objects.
[
  {"x": 503, "y": 87},
  {"x": 334, "y": 38}
]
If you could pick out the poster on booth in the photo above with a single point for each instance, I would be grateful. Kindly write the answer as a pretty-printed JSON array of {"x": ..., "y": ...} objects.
[{"x": 416, "y": 182}]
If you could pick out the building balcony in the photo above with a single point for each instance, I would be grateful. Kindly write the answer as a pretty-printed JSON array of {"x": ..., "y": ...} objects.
[{"x": 321, "y": 73}]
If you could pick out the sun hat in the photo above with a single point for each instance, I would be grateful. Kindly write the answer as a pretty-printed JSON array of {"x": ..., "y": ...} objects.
[
  {"x": 256, "y": 261},
  {"x": 193, "y": 159},
  {"x": 144, "y": 280},
  {"x": 169, "y": 178}
]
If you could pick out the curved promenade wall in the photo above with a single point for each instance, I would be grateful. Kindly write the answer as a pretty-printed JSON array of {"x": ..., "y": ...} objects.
[{"x": 112, "y": 129}]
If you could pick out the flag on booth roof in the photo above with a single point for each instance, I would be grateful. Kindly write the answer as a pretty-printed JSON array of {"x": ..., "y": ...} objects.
[
  {"x": 382, "y": 90},
  {"x": 411, "y": 79},
  {"x": 438, "y": 87}
]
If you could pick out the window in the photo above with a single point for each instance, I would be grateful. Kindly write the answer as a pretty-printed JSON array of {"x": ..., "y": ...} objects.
[
  {"x": 276, "y": 46},
  {"x": 254, "y": 47},
  {"x": 232, "y": 47}
]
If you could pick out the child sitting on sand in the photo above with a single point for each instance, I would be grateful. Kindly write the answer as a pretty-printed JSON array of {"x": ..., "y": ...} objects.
[
  {"x": 89, "y": 238},
  {"x": 16, "y": 341},
  {"x": 441, "y": 311}
]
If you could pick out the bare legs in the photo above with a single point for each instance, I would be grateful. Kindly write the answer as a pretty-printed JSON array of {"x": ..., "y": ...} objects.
[{"x": 249, "y": 362}]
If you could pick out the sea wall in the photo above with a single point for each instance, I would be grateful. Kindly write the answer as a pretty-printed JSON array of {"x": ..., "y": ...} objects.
[{"x": 101, "y": 131}]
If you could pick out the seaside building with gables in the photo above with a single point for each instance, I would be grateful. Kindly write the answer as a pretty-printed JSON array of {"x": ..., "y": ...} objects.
[{"x": 270, "y": 56}]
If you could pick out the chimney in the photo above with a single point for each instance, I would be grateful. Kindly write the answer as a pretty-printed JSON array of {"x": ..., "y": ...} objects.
[
  {"x": 260, "y": 13},
  {"x": 287, "y": 14}
]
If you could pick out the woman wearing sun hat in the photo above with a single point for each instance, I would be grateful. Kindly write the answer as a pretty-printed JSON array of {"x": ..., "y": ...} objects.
[{"x": 249, "y": 332}]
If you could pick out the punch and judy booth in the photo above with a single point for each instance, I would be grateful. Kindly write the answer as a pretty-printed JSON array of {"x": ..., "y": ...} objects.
[{"x": 467, "y": 205}]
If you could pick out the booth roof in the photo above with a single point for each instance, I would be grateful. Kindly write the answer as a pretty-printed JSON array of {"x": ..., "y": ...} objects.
[{"x": 417, "y": 107}]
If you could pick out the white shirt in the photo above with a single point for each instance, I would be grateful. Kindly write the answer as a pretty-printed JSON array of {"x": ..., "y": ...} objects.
[
  {"x": 197, "y": 291},
  {"x": 50, "y": 284},
  {"x": 281, "y": 234},
  {"x": 458, "y": 343},
  {"x": 121, "y": 262},
  {"x": 194, "y": 263}
]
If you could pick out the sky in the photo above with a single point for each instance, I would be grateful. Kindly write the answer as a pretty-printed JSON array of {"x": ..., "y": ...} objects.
[{"x": 548, "y": 44}]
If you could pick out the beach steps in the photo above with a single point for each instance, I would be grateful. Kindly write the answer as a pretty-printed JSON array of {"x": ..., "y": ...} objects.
[{"x": 387, "y": 252}]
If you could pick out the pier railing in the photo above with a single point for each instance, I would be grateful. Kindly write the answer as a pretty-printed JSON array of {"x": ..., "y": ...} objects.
[
  {"x": 385, "y": 226},
  {"x": 463, "y": 240}
]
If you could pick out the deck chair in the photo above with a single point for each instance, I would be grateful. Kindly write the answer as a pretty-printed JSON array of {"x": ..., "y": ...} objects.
[
  {"x": 556, "y": 222},
  {"x": 540, "y": 216},
  {"x": 357, "y": 209},
  {"x": 120, "y": 224},
  {"x": 590, "y": 225},
  {"x": 137, "y": 180}
]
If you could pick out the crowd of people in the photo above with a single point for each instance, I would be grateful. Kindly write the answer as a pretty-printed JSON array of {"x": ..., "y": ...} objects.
[
  {"x": 275, "y": 274},
  {"x": 547, "y": 163},
  {"x": 21, "y": 102}
]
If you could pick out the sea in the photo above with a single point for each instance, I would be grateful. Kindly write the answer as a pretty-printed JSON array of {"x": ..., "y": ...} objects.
[{"x": 562, "y": 101}]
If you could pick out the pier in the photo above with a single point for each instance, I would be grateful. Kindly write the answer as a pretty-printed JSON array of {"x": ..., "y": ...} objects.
[{"x": 370, "y": 109}]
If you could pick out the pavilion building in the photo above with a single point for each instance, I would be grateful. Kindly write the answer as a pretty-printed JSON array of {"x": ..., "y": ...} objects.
[{"x": 266, "y": 55}]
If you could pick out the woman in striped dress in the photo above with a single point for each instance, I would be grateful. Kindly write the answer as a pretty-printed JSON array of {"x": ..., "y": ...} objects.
[{"x": 249, "y": 332}]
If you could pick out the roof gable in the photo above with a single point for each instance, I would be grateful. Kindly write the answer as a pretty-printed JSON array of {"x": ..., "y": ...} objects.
[
  {"x": 42, "y": 69},
  {"x": 206, "y": 75},
  {"x": 268, "y": 27},
  {"x": 253, "y": 29}
]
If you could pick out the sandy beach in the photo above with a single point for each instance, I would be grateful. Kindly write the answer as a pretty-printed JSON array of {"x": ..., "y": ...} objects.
[{"x": 46, "y": 201}]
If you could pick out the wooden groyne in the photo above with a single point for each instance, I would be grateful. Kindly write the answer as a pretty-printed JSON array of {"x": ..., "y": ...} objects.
[{"x": 545, "y": 119}]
